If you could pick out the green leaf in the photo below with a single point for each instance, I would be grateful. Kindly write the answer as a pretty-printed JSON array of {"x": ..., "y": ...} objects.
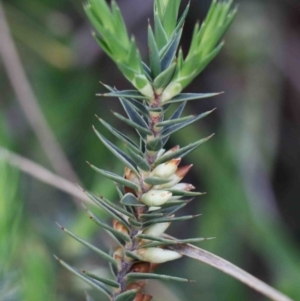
[
  {"x": 180, "y": 153},
  {"x": 136, "y": 118},
  {"x": 118, "y": 235},
  {"x": 178, "y": 111},
  {"x": 95, "y": 284},
  {"x": 140, "y": 161},
  {"x": 156, "y": 181},
  {"x": 151, "y": 215},
  {"x": 130, "y": 200},
  {"x": 170, "y": 52},
  {"x": 131, "y": 255},
  {"x": 116, "y": 207},
  {"x": 138, "y": 106},
  {"x": 154, "y": 144},
  {"x": 170, "y": 129},
  {"x": 160, "y": 34},
  {"x": 164, "y": 78},
  {"x": 172, "y": 209},
  {"x": 115, "y": 214},
  {"x": 101, "y": 253},
  {"x": 116, "y": 178},
  {"x": 118, "y": 153},
  {"x": 119, "y": 24},
  {"x": 153, "y": 53},
  {"x": 103, "y": 280},
  {"x": 170, "y": 241},
  {"x": 170, "y": 16},
  {"x": 184, "y": 193},
  {"x": 142, "y": 130},
  {"x": 174, "y": 121},
  {"x": 169, "y": 220},
  {"x": 191, "y": 96},
  {"x": 126, "y": 296},
  {"x": 119, "y": 135},
  {"x": 137, "y": 276},
  {"x": 125, "y": 94},
  {"x": 135, "y": 223}
]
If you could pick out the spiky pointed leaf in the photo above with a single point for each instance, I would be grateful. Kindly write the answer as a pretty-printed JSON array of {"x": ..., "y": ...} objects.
[
  {"x": 169, "y": 219},
  {"x": 169, "y": 54},
  {"x": 155, "y": 181},
  {"x": 101, "y": 253},
  {"x": 133, "y": 276},
  {"x": 180, "y": 153},
  {"x": 170, "y": 129},
  {"x": 118, "y": 153},
  {"x": 126, "y": 94},
  {"x": 119, "y": 135},
  {"x": 114, "y": 213},
  {"x": 106, "y": 281},
  {"x": 191, "y": 96},
  {"x": 116, "y": 234},
  {"x": 143, "y": 131},
  {"x": 95, "y": 284},
  {"x": 139, "y": 160},
  {"x": 116, "y": 178},
  {"x": 153, "y": 53}
]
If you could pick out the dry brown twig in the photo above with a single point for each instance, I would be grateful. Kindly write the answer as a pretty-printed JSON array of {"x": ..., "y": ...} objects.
[{"x": 29, "y": 103}]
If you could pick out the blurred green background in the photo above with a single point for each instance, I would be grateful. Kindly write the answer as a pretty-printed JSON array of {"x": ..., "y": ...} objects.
[{"x": 250, "y": 169}]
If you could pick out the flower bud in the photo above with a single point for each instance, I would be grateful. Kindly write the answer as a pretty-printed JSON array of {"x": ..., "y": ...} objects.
[
  {"x": 136, "y": 285},
  {"x": 157, "y": 255},
  {"x": 183, "y": 186},
  {"x": 120, "y": 227},
  {"x": 141, "y": 267},
  {"x": 183, "y": 170},
  {"x": 142, "y": 297},
  {"x": 156, "y": 229},
  {"x": 155, "y": 197},
  {"x": 165, "y": 170}
]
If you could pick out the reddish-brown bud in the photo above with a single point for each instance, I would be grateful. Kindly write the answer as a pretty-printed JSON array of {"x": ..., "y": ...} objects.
[
  {"x": 183, "y": 170},
  {"x": 141, "y": 267},
  {"x": 142, "y": 297},
  {"x": 136, "y": 285}
]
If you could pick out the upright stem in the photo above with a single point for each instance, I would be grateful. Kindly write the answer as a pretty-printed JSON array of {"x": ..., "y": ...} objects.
[{"x": 155, "y": 117}]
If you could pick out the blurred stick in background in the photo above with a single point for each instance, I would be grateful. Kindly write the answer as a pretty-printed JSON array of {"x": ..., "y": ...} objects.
[
  {"x": 42, "y": 174},
  {"x": 29, "y": 103}
]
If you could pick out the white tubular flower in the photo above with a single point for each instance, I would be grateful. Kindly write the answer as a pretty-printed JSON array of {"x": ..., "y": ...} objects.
[
  {"x": 156, "y": 197},
  {"x": 176, "y": 177},
  {"x": 165, "y": 170},
  {"x": 157, "y": 255},
  {"x": 157, "y": 229},
  {"x": 183, "y": 186}
]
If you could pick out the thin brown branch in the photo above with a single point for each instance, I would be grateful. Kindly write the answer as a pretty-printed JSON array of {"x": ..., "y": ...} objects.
[
  {"x": 44, "y": 175},
  {"x": 29, "y": 103},
  {"x": 230, "y": 269}
]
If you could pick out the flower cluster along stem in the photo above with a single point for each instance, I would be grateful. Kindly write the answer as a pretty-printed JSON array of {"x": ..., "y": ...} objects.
[{"x": 151, "y": 189}]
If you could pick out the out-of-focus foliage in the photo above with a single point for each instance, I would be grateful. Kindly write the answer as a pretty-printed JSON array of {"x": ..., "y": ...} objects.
[{"x": 251, "y": 169}]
